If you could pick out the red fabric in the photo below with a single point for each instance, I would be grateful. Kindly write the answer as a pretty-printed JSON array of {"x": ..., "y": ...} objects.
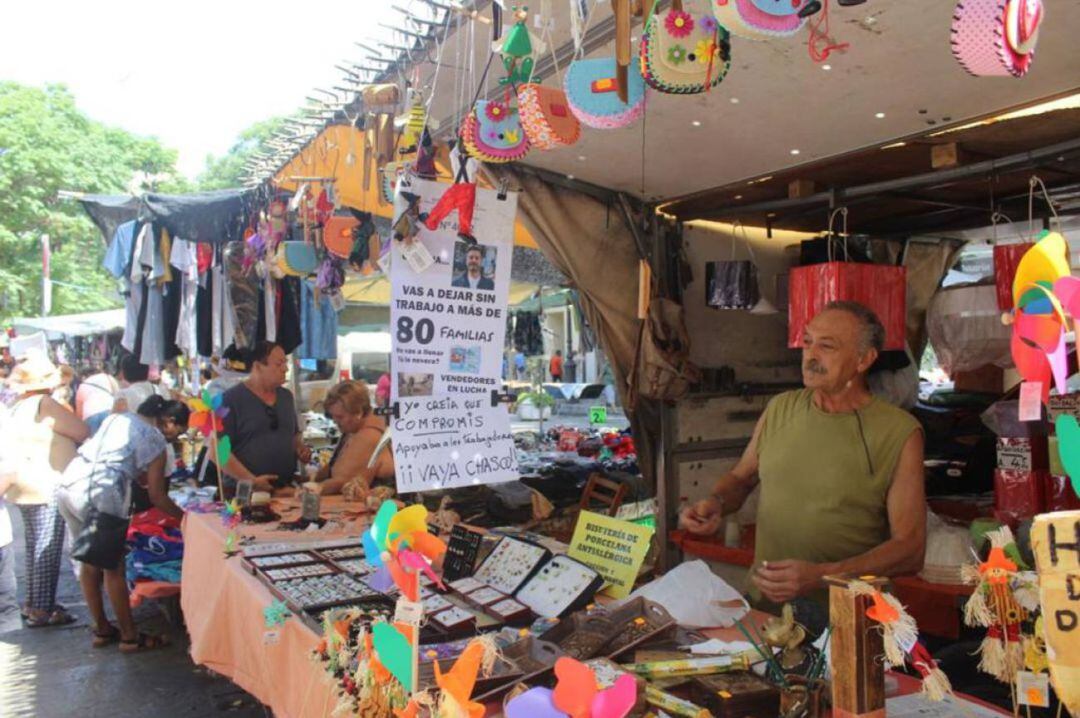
[
  {"x": 1006, "y": 259},
  {"x": 153, "y": 522},
  {"x": 460, "y": 197},
  {"x": 881, "y": 288},
  {"x": 1059, "y": 494},
  {"x": 205, "y": 256}
]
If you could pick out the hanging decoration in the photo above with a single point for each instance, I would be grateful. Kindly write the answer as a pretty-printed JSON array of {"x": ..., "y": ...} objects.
[
  {"x": 493, "y": 133},
  {"x": 577, "y": 694},
  {"x": 996, "y": 38},
  {"x": 591, "y": 89},
  {"x": 519, "y": 48},
  {"x": 760, "y": 19},
  {"x": 208, "y": 415},
  {"x": 684, "y": 50},
  {"x": 546, "y": 117}
]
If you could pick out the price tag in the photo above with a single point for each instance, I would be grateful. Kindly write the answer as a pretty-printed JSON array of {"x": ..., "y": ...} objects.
[
  {"x": 1033, "y": 689},
  {"x": 271, "y": 638},
  {"x": 1031, "y": 401},
  {"x": 597, "y": 414},
  {"x": 417, "y": 255},
  {"x": 408, "y": 612}
]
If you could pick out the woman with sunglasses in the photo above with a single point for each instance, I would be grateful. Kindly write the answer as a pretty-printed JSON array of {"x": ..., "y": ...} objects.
[{"x": 262, "y": 425}]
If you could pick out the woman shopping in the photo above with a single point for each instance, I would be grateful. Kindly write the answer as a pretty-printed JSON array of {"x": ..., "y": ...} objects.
[
  {"x": 95, "y": 498},
  {"x": 349, "y": 405},
  {"x": 41, "y": 437}
]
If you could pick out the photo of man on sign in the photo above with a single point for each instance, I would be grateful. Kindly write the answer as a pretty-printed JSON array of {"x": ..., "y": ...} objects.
[{"x": 474, "y": 267}]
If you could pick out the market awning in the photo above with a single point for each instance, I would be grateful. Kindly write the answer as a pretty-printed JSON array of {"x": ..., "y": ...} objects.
[
  {"x": 218, "y": 216},
  {"x": 72, "y": 325}
]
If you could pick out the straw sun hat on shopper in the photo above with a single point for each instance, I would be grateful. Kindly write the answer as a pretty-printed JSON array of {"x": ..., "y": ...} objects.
[{"x": 34, "y": 373}]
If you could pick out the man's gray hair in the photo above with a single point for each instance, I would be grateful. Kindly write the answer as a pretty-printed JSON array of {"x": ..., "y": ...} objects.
[{"x": 873, "y": 335}]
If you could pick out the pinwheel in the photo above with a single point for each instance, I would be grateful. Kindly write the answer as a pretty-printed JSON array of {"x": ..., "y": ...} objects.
[
  {"x": 1039, "y": 322},
  {"x": 230, "y": 514},
  {"x": 399, "y": 544},
  {"x": 276, "y": 614},
  {"x": 576, "y": 695},
  {"x": 207, "y": 415}
]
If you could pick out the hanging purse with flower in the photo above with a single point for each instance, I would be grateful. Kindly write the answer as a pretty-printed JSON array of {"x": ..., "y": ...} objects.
[
  {"x": 762, "y": 19},
  {"x": 546, "y": 117},
  {"x": 684, "y": 50},
  {"x": 592, "y": 91},
  {"x": 493, "y": 133}
]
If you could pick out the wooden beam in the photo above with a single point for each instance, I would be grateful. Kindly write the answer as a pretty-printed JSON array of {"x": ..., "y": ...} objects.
[
  {"x": 797, "y": 189},
  {"x": 946, "y": 156}
]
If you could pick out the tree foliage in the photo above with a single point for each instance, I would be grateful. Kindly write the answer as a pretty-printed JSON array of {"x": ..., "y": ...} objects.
[
  {"x": 46, "y": 145},
  {"x": 227, "y": 170}
]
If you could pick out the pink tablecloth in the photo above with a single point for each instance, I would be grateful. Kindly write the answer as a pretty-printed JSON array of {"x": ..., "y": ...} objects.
[{"x": 223, "y": 608}]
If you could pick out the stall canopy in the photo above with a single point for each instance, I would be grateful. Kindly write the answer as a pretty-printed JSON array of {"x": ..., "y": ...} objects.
[
  {"x": 217, "y": 217},
  {"x": 72, "y": 325}
]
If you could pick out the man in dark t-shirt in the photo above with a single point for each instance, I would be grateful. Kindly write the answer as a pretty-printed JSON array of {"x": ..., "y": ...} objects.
[{"x": 262, "y": 424}]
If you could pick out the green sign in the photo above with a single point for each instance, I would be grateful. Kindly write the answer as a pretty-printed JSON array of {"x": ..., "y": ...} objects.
[{"x": 597, "y": 414}]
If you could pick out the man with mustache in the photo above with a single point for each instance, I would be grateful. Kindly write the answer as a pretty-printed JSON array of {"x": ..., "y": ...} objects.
[{"x": 841, "y": 471}]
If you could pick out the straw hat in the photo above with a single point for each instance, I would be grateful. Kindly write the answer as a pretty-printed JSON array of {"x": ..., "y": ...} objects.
[{"x": 34, "y": 373}]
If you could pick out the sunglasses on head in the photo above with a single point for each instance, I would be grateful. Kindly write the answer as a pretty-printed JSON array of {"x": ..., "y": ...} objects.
[{"x": 271, "y": 413}]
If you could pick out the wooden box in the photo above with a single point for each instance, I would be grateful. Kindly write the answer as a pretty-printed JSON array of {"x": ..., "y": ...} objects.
[{"x": 737, "y": 695}]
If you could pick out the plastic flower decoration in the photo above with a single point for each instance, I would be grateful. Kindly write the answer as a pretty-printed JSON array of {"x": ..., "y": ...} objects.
[
  {"x": 706, "y": 51},
  {"x": 230, "y": 514},
  {"x": 276, "y": 614},
  {"x": 676, "y": 54},
  {"x": 679, "y": 23},
  {"x": 708, "y": 24},
  {"x": 496, "y": 111}
]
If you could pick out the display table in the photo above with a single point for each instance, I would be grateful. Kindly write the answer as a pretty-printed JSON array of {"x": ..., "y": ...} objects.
[{"x": 223, "y": 608}]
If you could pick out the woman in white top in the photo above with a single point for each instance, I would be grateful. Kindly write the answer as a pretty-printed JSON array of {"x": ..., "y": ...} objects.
[{"x": 41, "y": 438}]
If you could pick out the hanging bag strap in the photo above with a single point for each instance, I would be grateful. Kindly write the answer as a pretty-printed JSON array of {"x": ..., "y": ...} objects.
[{"x": 843, "y": 211}]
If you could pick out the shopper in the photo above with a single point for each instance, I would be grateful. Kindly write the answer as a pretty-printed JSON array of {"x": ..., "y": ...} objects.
[
  {"x": 41, "y": 438},
  {"x": 262, "y": 424},
  {"x": 100, "y": 480},
  {"x": 95, "y": 398},
  {"x": 349, "y": 405},
  {"x": 382, "y": 390},
  {"x": 135, "y": 384},
  {"x": 555, "y": 367},
  {"x": 519, "y": 365},
  {"x": 171, "y": 419},
  {"x": 9, "y": 602}
]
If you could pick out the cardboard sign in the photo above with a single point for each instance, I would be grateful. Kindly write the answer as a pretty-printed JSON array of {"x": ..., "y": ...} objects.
[
  {"x": 613, "y": 548},
  {"x": 1033, "y": 689},
  {"x": 1064, "y": 404},
  {"x": 1055, "y": 541},
  {"x": 1019, "y": 454}
]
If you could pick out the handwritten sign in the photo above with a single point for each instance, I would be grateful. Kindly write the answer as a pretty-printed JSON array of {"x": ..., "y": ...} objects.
[
  {"x": 1055, "y": 540},
  {"x": 1031, "y": 401},
  {"x": 613, "y": 548},
  {"x": 1015, "y": 454},
  {"x": 597, "y": 414},
  {"x": 1064, "y": 404},
  {"x": 444, "y": 442}
]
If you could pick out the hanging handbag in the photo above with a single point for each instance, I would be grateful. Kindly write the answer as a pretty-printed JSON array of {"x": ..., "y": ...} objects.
[
  {"x": 338, "y": 235},
  {"x": 492, "y": 132},
  {"x": 546, "y": 117},
  {"x": 592, "y": 91},
  {"x": 684, "y": 51},
  {"x": 996, "y": 38},
  {"x": 296, "y": 258},
  {"x": 103, "y": 537},
  {"x": 732, "y": 284},
  {"x": 760, "y": 19}
]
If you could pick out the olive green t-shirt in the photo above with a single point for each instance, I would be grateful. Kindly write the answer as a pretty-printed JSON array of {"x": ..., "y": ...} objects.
[{"x": 824, "y": 481}]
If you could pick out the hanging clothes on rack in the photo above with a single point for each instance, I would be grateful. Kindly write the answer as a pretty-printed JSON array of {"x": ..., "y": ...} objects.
[
  {"x": 184, "y": 258},
  {"x": 318, "y": 325},
  {"x": 243, "y": 289},
  {"x": 289, "y": 336}
]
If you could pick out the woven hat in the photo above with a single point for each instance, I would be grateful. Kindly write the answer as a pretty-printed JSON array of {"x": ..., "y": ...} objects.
[{"x": 34, "y": 373}]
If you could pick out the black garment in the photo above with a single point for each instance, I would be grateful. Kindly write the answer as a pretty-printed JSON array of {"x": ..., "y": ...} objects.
[
  {"x": 204, "y": 302},
  {"x": 170, "y": 305},
  {"x": 289, "y": 335}
]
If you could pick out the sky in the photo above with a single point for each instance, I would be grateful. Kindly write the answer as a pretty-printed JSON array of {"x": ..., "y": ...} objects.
[{"x": 194, "y": 73}]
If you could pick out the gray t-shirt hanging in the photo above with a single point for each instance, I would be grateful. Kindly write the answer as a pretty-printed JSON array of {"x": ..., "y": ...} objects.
[{"x": 263, "y": 436}]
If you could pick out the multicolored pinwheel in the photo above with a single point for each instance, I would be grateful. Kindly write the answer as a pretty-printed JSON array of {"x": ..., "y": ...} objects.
[{"x": 208, "y": 416}]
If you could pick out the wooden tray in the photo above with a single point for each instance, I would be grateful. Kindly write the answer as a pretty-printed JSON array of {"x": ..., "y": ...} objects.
[
  {"x": 503, "y": 674},
  {"x": 581, "y": 635},
  {"x": 532, "y": 657},
  {"x": 634, "y": 624}
]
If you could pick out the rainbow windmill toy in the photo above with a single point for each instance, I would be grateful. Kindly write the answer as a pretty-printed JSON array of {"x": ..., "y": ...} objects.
[{"x": 208, "y": 416}]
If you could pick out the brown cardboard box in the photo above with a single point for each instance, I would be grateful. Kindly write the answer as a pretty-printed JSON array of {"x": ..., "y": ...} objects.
[{"x": 988, "y": 379}]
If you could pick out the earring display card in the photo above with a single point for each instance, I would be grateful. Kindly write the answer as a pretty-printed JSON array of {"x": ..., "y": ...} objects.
[
  {"x": 435, "y": 603},
  {"x": 462, "y": 550},
  {"x": 465, "y": 585},
  {"x": 336, "y": 554},
  {"x": 560, "y": 585},
  {"x": 485, "y": 596},
  {"x": 510, "y": 564},
  {"x": 510, "y": 611},
  {"x": 357, "y": 566},
  {"x": 301, "y": 571},
  {"x": 324, "y": 590},
  {"x": 454, "y": 619},
  {"x": 285, "y": 559}
]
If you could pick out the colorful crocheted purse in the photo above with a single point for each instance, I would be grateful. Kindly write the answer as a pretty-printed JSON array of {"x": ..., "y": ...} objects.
[
  {"x": 760, "y": 19},
  {"x": 684, "y": 50},
  {"x": 592, "y": 92},
  {"x": 546, "y": 117},
  {"x": 995, "y": 38},
  {"x": 492, "y": 132}
]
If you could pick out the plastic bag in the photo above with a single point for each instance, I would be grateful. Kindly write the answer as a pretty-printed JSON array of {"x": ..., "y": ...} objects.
[
  {"x": 731, "y": 285},
  {"x": 965, "y": 329},
  {"x": 695, "y": 596},
  {"x": 1018, "y": 495}
]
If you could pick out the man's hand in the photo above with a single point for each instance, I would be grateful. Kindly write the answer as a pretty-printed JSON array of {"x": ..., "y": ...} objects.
[
  {"x": 781, "y": 581},
  {"x": 303, "y": 452},
  {"x": 264, "y": 482},
  {"x": 703, "y": 518}
]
